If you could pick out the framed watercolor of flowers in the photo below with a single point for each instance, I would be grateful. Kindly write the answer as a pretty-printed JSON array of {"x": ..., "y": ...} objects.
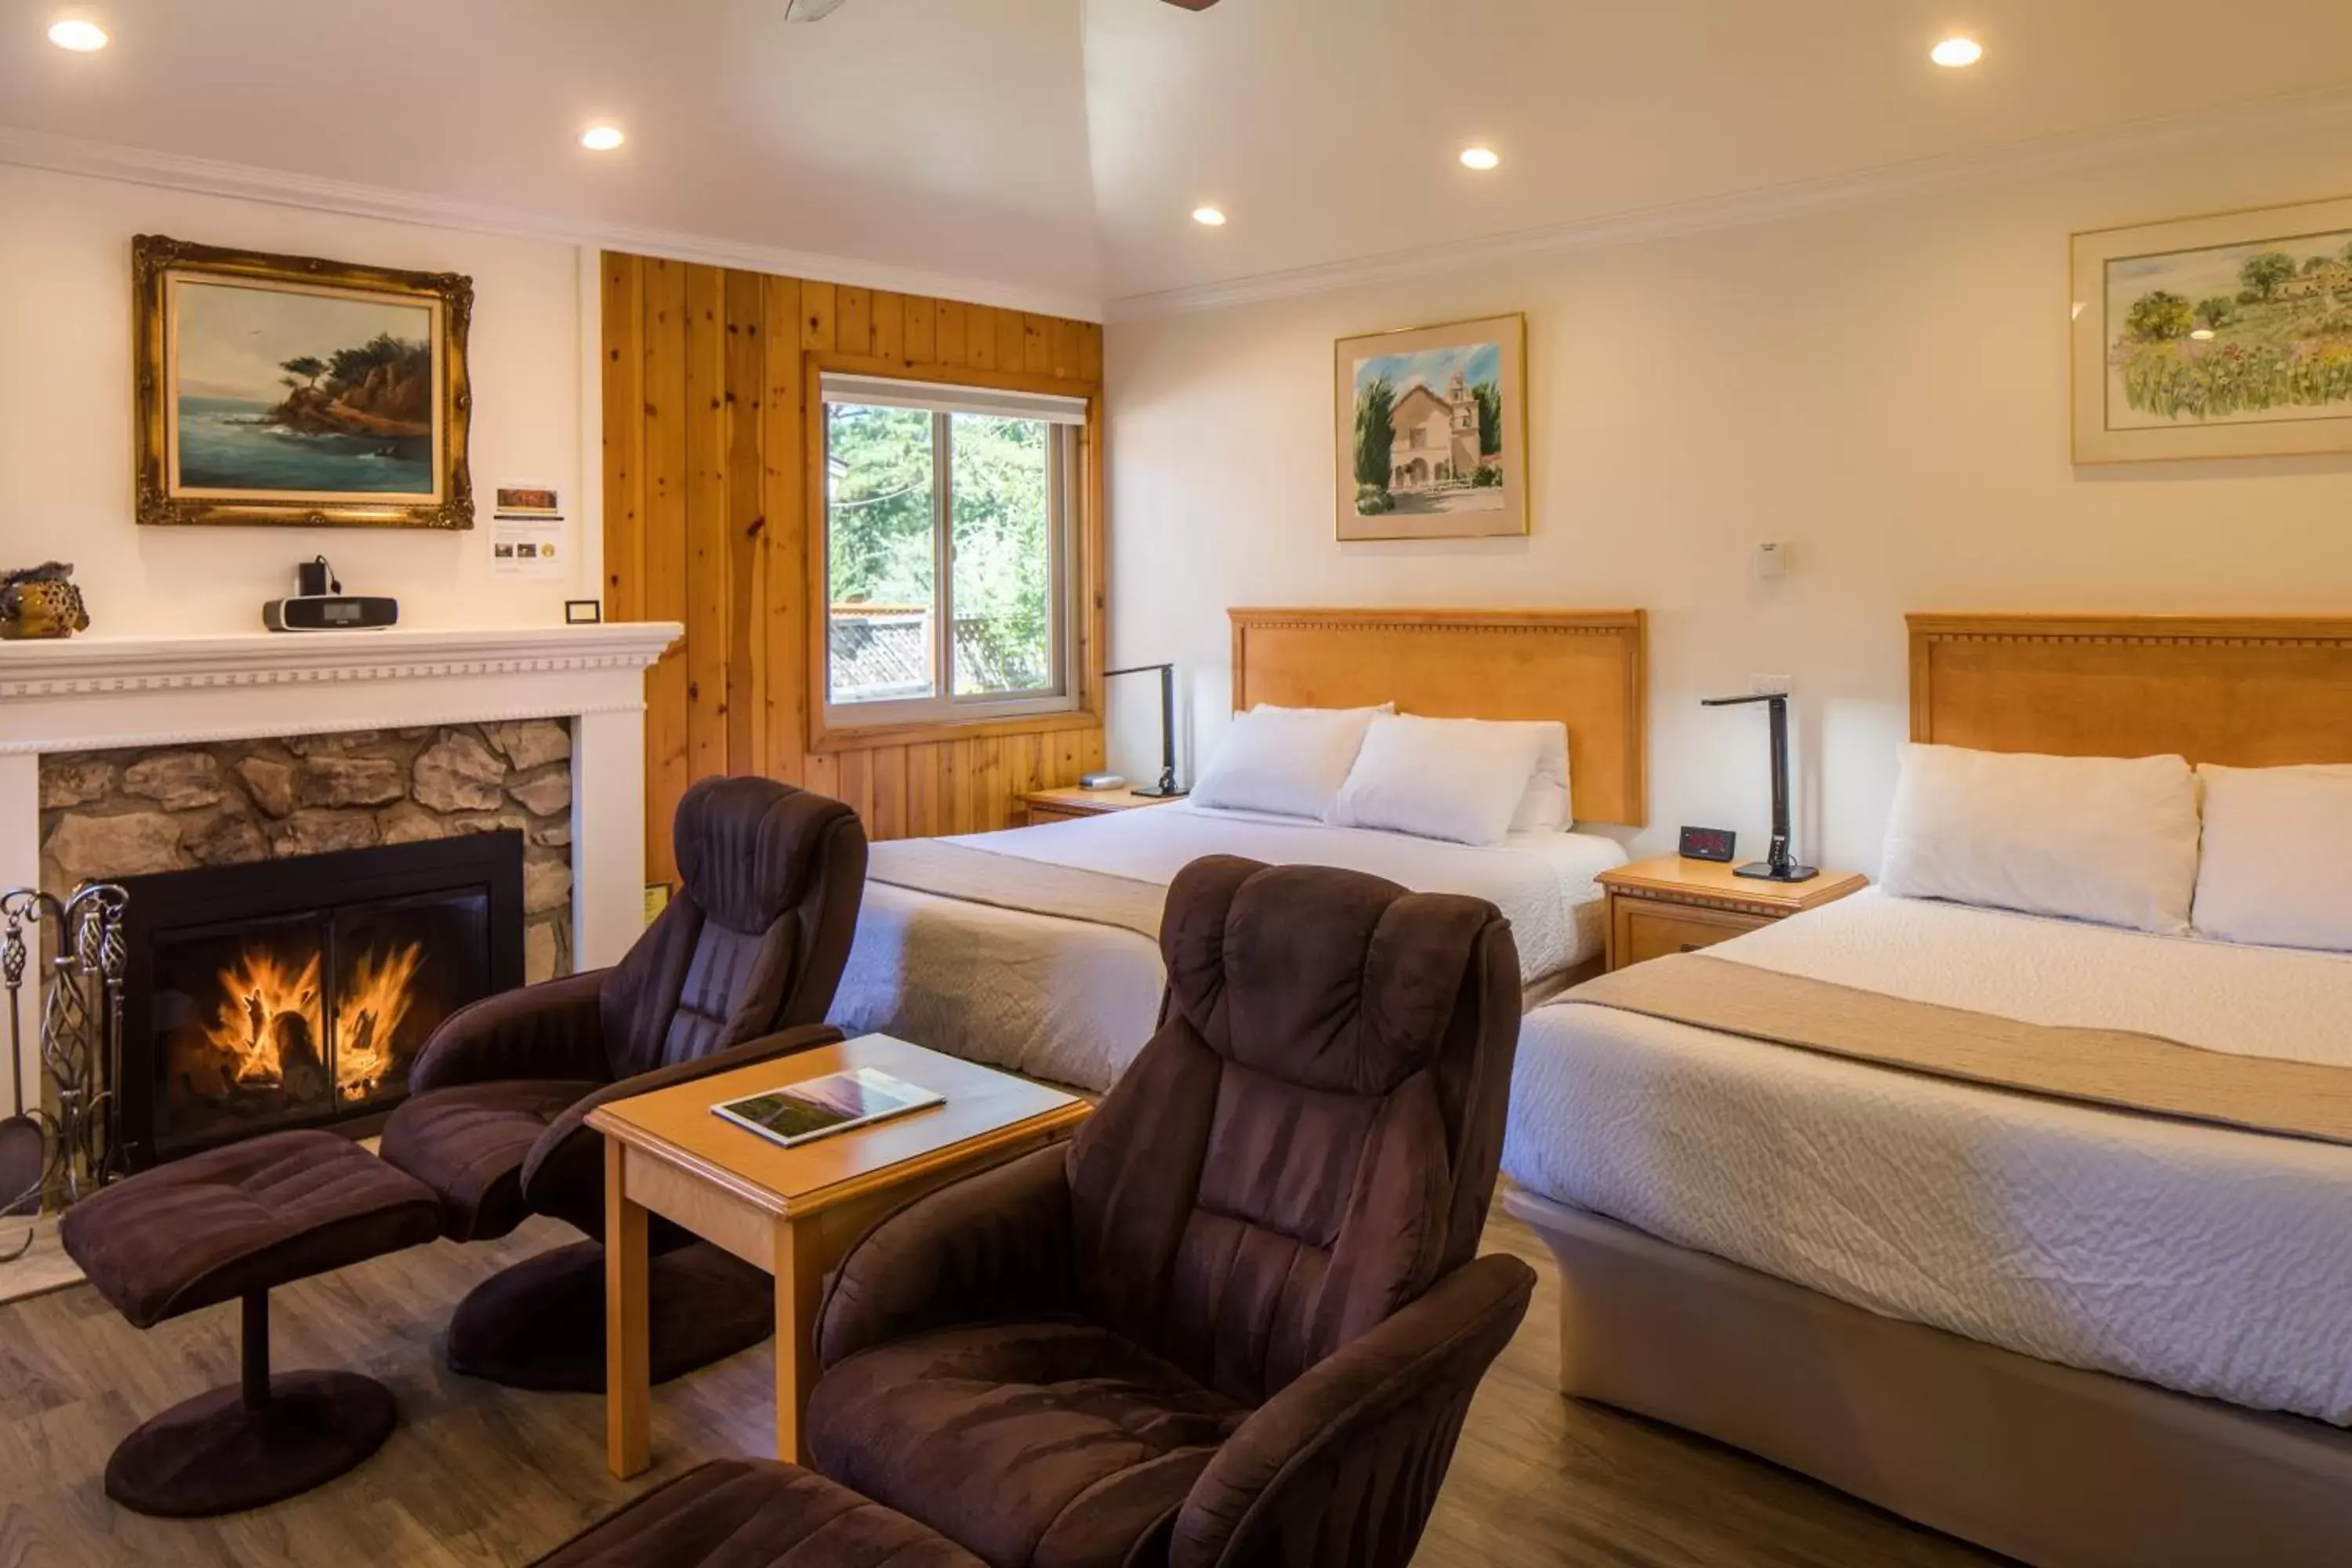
[{"x": 2228, "y": 336}]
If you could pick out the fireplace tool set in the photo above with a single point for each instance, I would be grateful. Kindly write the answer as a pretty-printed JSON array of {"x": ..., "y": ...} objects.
[{"x": 59, "y": 1151}]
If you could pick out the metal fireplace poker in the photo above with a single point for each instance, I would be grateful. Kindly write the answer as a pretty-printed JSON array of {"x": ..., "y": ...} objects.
[{"x": 60, "y": 1151}]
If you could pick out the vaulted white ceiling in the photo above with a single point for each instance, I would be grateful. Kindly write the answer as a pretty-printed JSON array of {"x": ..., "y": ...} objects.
[
  {"x": 1329, "y": 129},
  {"x": 1056, "y": 147},
  {"x": 948, "y": 135}
]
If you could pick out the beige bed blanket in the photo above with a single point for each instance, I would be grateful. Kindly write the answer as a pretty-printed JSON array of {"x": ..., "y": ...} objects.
[
  {"x": 1010, "y": 882},
  {"x": 2110, "y": 1067},
  {"x": 1066, "y": 892}
]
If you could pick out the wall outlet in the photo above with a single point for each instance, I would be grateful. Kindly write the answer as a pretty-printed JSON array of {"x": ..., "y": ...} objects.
[{"x": 1770, "y": 685}]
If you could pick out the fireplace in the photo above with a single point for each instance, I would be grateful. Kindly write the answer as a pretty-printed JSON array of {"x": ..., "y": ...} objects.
[{"x": 297, "y": 993}]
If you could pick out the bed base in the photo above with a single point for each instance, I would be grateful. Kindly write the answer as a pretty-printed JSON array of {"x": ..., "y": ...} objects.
[
  {"x": 2058, "y": 1467},
  {"x": 1534, "y": 996}
]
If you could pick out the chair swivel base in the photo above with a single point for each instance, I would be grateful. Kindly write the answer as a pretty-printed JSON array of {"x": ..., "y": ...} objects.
[
  {"x": 540, "y": 1324},
  {"x": 248, "y": 1445}
]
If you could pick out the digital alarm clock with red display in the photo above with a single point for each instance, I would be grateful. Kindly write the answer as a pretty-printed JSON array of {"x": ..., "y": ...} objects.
[{"x": 1708, "y": 843}]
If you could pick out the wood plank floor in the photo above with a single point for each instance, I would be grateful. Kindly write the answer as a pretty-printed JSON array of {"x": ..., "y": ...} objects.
[{"x": 480, "y": 1476}]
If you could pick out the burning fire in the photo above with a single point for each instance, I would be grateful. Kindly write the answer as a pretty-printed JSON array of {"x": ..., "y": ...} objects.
[
  {"x": 267, "y": 1011},
  {"x": 268, "y": 1021},
  {"x": 368, "y": 1016}
]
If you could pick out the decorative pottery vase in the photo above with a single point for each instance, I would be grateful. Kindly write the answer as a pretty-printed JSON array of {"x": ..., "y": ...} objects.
[{"x": 41, "y": 602}]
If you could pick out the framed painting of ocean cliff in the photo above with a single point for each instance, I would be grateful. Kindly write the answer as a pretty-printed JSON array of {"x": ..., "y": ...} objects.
[
  {"x": 2228, "y": 336},
  {"x": 287, "y": 390}
]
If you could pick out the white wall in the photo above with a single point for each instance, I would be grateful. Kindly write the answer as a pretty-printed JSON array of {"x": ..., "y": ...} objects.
[
  {"x": 66, "y": 413},
  {"x": 1883, "y": 388}
]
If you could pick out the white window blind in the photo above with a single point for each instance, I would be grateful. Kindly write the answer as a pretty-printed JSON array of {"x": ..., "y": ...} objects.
[{"x": 880, "y": 392}]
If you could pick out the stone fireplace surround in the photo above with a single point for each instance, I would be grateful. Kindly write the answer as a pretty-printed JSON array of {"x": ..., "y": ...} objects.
[
  {"x": 108, "y": 814},
  {"x": 333, "y": 717}
]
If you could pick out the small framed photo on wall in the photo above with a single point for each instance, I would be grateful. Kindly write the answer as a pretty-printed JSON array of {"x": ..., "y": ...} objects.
[{"x": 1431, "y": 435}]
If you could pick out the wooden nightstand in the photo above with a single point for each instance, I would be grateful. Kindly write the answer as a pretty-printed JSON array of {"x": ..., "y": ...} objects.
[
  {"x": 1066, "y": 805},
  {"x": 1674, "y": 905}
]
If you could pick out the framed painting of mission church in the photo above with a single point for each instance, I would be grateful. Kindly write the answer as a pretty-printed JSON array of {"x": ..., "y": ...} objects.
[
  {"x": 2228, "y": 336},
  {"x": 1430, "y": 439}
]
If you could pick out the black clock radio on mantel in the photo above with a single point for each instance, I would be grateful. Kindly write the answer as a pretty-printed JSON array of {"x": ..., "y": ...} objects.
[
  {"x": 322, "y": 605},
  {"x": 330, "y": 613}
]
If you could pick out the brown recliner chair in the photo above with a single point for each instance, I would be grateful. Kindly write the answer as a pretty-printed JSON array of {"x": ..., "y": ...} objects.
[
  {"x": 741, "y": 967},
  {"x": 1237, "y": 1320}
]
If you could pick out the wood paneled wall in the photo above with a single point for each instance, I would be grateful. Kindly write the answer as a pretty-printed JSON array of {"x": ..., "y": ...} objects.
[{"x": 707, "y": 502}]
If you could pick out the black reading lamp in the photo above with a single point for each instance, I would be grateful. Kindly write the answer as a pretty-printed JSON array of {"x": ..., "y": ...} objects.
[
  {"x": 1779, "y": 865},
  {"x": 1166, "y": 788}
]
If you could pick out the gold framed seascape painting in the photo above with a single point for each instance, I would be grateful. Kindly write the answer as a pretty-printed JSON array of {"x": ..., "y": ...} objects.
[
  {"x": 2228, "y": 336},
  {"x": 1430, "y": 431},
  {"x": 287, "y": 390}
]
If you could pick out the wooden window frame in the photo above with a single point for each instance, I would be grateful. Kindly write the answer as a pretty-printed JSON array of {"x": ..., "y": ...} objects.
[
  {"x": 941, "y": 704},
  {"x": 1088, "y": 492}
]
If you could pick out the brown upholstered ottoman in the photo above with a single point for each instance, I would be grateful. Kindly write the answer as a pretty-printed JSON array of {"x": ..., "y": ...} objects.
[
  {"x": 757, "y": 1513},
  {"x": 232, "y": 1224}
]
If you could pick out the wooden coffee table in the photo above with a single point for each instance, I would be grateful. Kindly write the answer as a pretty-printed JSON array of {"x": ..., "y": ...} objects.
[{"x": 793, "y": 1211}]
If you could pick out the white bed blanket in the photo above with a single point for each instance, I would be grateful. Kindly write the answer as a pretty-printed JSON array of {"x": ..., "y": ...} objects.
[
  {"x": 2204, "y": 1259},
  {"x": 1073, "y": 1002}
]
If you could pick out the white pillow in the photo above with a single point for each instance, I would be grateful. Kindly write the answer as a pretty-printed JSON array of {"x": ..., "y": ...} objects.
[
  {"x": 2093, "y": 838},
  {"x": 1272, "y": 708},
  {"x": 2277, "y": 867},
  {"x": 1287, "y": 761},
  {"x": 1459, "y": 779},
  {"x": 1543, "y": 808}
]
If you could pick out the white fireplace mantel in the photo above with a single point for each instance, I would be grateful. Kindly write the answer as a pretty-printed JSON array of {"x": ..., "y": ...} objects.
[
  {"x": 84, "y": 693},
  {"x": 107, "y": 693}
]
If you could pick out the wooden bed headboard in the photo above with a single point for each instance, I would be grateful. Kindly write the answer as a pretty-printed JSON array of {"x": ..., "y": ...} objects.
[
  {"x": 2239, "y": 690},
  {"x": 1586, "y": 667}
]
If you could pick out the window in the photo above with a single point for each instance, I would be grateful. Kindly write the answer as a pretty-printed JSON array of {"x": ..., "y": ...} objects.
[{"x": 949, "y": 538}]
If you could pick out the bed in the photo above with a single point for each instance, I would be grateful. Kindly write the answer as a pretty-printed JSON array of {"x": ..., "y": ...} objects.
[
  {"x": 1010, "y": 982},
  {"x": 2077, "y": 1335}
]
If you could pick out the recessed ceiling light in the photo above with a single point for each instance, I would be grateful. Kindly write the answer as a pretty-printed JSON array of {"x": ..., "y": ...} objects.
[
  {"x": 1211, "y": 217},
  {"x": 82, "y": 37},
  {"x": 601, "y": 138},
  {"x": 1956, "y": 52},
  {"x": 1480, "y": 158}
]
